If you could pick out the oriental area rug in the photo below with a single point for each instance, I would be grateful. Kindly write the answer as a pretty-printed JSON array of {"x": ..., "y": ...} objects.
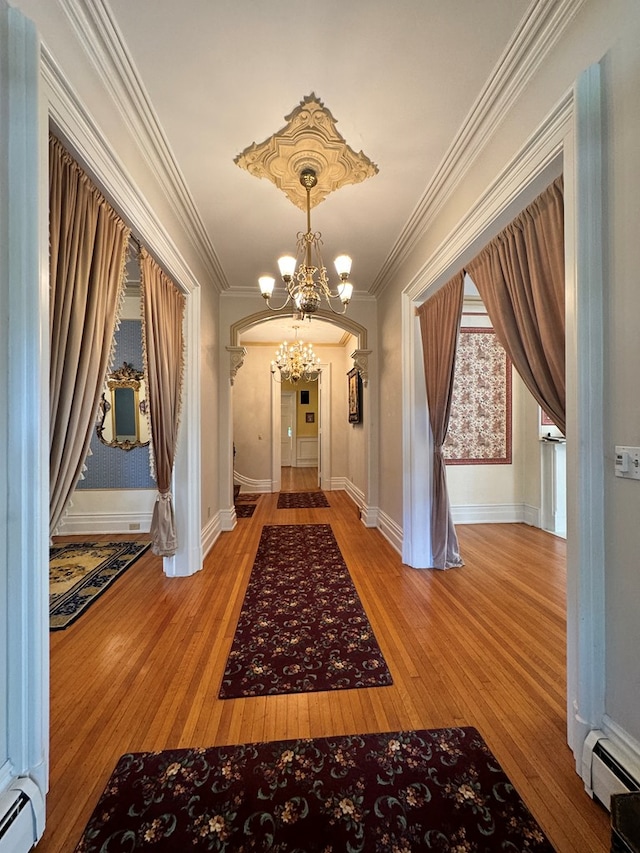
[
  {"x": 302, "y": 500},
  {"x": 302, "y": 627},
  {"x": 81, "y": 571},
  {"x": 438, "y": 790}
]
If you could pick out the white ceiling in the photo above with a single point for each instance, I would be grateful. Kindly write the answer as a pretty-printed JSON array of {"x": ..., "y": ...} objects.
[{"x": 400, "y": 78}]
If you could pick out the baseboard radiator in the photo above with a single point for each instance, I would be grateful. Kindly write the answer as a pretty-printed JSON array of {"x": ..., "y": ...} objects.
[
  {"x": 21, "y": 816},
  {"x": 607, "y": 769}
]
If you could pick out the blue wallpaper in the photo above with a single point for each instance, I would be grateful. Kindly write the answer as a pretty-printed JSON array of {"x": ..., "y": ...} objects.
[{"x": 110, "y": 467}]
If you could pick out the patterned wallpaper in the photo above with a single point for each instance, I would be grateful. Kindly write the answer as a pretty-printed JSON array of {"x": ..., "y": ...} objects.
[
  {"x": 110, "y": 467},
  {"x": 480, "y": 421}
]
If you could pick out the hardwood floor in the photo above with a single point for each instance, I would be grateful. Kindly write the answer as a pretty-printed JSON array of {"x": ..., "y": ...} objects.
[
  {"x": 482, "y": 645},
  {"x": 298, "y": 479}
]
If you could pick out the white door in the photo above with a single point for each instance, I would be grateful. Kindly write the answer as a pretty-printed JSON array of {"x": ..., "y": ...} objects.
[{"x": 287, "y": 427}]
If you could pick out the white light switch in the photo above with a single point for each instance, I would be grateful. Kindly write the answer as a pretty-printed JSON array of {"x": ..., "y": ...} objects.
[{"x": 628, "y": 462}]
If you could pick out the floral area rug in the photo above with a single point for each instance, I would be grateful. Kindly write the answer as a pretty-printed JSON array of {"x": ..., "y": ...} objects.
[
  {"x": 438, "y": 790},
  {"x": 302, "y": 626},
  {"x": 80, "y": 572},
  {"x": 302, "y": 500}
]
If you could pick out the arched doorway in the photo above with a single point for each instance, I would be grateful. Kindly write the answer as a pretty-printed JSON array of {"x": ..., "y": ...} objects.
[{"x": 352, "y": 337}]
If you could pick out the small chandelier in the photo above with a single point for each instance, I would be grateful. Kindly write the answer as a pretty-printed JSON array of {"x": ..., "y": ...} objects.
[
  {"x": 295, "y": 362},
  {"x": 308, "y": 283}
]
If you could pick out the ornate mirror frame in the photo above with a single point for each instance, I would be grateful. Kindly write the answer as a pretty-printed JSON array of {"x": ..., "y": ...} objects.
[{"x": 119, "y": 381}]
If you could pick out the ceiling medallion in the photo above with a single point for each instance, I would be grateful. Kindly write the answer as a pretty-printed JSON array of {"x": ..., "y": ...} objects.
[{"x": 309, "y": 140}]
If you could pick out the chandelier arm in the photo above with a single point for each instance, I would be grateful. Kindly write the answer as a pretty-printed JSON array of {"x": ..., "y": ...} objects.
[
  {"x": 344, "y": 307},
  {"x": 304, "y": 289},
  {"x": 267, "y": 299}
]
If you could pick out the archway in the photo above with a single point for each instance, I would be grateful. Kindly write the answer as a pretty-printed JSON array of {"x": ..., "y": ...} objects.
[{"x": 359, "y": 358}]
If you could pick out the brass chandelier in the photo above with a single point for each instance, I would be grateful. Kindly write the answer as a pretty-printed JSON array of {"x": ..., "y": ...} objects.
[
  {"x": 305, "y": 276},
  {"x": 295, "y": 362}
]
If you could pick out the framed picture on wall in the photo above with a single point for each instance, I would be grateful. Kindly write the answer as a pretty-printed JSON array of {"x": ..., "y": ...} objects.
[
  {"x": 355, "y": 396},
  {"x": 304, "y": 398},
  {"x": 310, "y": 417}
]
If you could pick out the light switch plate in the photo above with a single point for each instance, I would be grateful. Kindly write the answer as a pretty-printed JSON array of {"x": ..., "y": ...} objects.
[{"x": 627, "y": 462}]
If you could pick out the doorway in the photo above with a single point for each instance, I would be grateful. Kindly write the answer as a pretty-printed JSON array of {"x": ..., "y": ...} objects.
[{"x": 287, "y": 429}]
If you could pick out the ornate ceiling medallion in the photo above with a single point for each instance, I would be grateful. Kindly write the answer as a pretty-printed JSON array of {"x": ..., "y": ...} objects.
[{"x": 309, "y": 140}]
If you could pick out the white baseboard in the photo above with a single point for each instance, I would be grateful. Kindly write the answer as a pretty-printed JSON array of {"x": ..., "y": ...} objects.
[
  {"x": 356, "y": 494},
  {"x": 370, "y": 516},
  {"x": 250, "y": 485},
  {"x": 105, "y": 523},
  {"x": 532, "y": 515},
  {"x": 210, "y": 533},
  {"x": 391, "y": 531},
  {"x": 227, "y": 519},
  {"x": 108, "y": 511},
  {"x": 488, "y": 513}
]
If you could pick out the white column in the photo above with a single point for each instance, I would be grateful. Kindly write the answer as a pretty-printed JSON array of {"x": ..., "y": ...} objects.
[
  {"x": 417, "y": 446},
  {"x": 24, "y": 437}
]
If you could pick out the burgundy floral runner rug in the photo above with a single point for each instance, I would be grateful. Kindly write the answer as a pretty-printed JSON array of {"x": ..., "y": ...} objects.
[
  {"x": 438, "y": 790},
  {"x": 302, "y": 500},
  {"x": 245, "y": 505},
  {"x": 302, "y": 626}
]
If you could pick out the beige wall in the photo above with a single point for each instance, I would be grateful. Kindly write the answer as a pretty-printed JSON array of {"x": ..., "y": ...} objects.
[{"x": 251, "y": 402}]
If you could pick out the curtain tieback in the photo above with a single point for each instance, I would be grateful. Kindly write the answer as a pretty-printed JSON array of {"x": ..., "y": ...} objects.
[{"x": 164, "y": 496}]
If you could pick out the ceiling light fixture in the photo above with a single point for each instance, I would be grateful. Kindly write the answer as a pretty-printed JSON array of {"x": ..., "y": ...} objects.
[
  {"x": 295, "y": 362},
  {"x": 305, "y": 276}
]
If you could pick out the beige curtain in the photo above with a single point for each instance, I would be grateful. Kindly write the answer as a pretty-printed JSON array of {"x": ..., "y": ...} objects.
[
  {"x": 439, "y": 325},
  {"x": 162, "y": 311},
  {"x": 88, "y": 243},
  {"x": 520, "y": 276}
]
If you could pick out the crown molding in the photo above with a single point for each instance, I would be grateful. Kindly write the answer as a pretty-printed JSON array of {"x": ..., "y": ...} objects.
[
  {"x": 537, "y": 158},
  {"x": 541, "y": 28},
  {"x": 78, "y": 130},
  {"x": 93, "y": 21}
]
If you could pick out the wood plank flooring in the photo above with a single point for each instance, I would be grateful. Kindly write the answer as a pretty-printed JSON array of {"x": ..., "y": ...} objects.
[{"x": 483, "y": 645}]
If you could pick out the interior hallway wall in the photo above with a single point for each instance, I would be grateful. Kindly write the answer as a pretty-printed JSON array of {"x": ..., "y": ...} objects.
[{"x": 609, "y": 32}]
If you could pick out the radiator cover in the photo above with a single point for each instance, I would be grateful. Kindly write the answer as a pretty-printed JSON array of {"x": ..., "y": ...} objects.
[
  {"x": 607, "y": 769},
  {"x": 21, "y": 816}
]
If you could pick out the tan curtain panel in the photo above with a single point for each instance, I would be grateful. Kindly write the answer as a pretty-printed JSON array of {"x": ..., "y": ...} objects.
[
  {"x": 520, "y": 276},
  {"x": 439, "y": 326},
  {"x": 163, "y": 347},
  {"x": 88, "y": 243}
]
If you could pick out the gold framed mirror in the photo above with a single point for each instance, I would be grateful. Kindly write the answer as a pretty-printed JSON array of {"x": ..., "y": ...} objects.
[{"x": 122, "y": 414}]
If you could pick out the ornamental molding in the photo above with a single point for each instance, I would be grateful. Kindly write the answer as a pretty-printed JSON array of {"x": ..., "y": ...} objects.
[
  {"x": 309, "y": 140},
  {"x": 361, "y": 363},
  {"x": 236, "y": 360}
]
